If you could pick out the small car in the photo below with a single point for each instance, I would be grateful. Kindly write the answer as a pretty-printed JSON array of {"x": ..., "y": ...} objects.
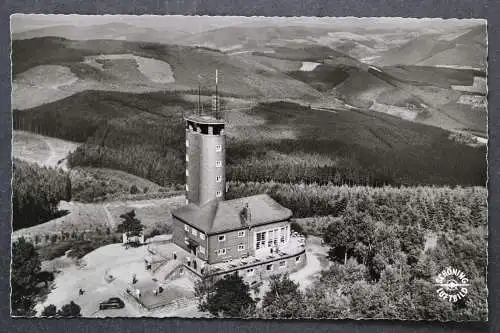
[{"x": 112, "y": 303}]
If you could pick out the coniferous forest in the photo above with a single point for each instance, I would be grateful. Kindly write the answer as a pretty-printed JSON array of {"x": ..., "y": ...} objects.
[
  {"x": 143, "y": 133},
  {"x": 386, "y": 245},
  {"x": 36, "y": 192}
]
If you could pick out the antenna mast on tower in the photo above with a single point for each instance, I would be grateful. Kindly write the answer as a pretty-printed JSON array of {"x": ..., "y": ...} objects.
[
  {"x": 199, "y": 96},
  {"x": 216, "y": 93}
]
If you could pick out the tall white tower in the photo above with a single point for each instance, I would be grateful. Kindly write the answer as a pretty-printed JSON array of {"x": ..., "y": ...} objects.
[{"x": 206, "y": 154}]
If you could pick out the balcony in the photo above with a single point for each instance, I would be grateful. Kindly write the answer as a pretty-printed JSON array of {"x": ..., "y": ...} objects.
[{"x": 296, "y": 245}]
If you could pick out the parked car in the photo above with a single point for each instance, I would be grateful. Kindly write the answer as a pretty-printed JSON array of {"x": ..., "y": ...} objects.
[{"x": 112, "y": 303}]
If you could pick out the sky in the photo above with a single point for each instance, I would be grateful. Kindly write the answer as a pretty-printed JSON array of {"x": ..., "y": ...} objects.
[{"x": 197, "y": 24}]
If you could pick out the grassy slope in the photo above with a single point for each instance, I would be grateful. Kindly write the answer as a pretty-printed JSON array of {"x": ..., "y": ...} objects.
[
  {"x": 432, "y": 50},
  {"x": 238, "y": 77}
]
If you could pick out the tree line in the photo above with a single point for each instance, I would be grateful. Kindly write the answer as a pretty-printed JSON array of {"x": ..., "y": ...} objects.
[
  {"x": 143, "y": 134},
  {"x": 36, "y": 192},
  {"x": 433, "y": 208},
  {"x": 383, "y": 260}
]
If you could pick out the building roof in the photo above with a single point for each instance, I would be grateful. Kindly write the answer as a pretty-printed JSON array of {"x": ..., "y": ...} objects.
[
  {"x": 222, "y": 216},
  {"x": 205, "y": 119}
]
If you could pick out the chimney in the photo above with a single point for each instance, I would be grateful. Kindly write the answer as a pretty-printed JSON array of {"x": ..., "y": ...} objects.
[{"x": 245, "y": 215}]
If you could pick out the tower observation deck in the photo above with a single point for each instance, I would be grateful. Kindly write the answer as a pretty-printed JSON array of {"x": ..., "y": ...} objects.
[{"x": 205, "y": 152}]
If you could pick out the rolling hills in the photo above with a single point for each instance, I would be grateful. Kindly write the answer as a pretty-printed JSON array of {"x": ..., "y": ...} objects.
[
  {"x": 425, "y": 94},
  {"x": 467, "y": 47},
  {"x": 310, "y": 88},
  {"x": 142, "y": 133}
]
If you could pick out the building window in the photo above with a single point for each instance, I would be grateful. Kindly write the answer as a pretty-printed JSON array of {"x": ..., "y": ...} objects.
[
  {"x": 241, "y": 233},
  {"x": 283, "y": 263},
  {"x": 241, "y": 247},
  {"x": 194, "y": 232},
  {"x": 218, "y": 179},
  {"x": 186, "y": 227},
  {"x": 221, "y": 252},
  {"x": 186, "y": 241},
  {"x": 261, "y": 240},
  {"x": 187, "y": 187},
  {"x": 201, "y": 249},
  {"x": 282, "y": 235},
  {"x": 202, "y": 236},
  {"x": 222, "y": 238},
  {"x": 269, "y": 267},
  {"x": 187, "y": 143},
  {"x": 250, "y": 271},
  {"x": 218, "y": 148},
  {"x": 187, "y": 158},
  {"x": 297, "y": 258},
  {"x": 218, "y": 164},
  {"x": 218, "y": 194}
]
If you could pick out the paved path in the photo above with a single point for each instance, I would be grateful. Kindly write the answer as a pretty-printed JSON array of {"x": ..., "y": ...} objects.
[{"x": 305, "y": 276}]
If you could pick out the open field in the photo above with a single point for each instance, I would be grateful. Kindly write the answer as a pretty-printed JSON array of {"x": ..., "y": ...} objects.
[
  {"x": 42, "y": 150},
  {"x": 87, "y": 218},
  {"x": 298, "y": 68}
]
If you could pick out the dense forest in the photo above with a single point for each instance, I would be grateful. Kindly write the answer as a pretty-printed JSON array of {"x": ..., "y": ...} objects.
[
  {"x": 36, "y": 192},
  {"x": 386, "y": 245},
  {"x": 143, "y": 134},
  {"x": 433, "y": 208}
]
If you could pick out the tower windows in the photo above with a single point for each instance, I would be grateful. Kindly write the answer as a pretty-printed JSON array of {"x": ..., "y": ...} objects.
[
  {"x": 218, "y": 148},
  {"x": 218, "y": 194},
  {"x": 222, "y": 238},
  {"x": 218, "y": 164},
  {"x": 241, "y": 233},
  {"x": 218, "y": 179},
  {"x": 241, "y": 247}
]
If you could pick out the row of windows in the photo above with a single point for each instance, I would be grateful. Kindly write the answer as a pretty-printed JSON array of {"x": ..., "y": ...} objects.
[
  {"x": 218, "y": 164},
  {"x": 194, "y": 232},
  {"x": 224, "y": 251},
  {"x": 222, "y": 238},
  {"x": 282, "y": 264},
  {"x": 218, "y": 179},
  {"x": 218, "y": 147},
  {"x": 218, "y": 194},
  {"x": 269, "y": 267},
  {"x": 270, "y": 238}
]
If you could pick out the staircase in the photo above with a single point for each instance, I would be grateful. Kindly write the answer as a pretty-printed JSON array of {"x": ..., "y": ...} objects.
[{"x": 166, "y": 270}]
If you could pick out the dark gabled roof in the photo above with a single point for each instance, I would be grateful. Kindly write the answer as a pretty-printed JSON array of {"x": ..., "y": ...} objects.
[{"x": 221, "y": 216}]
